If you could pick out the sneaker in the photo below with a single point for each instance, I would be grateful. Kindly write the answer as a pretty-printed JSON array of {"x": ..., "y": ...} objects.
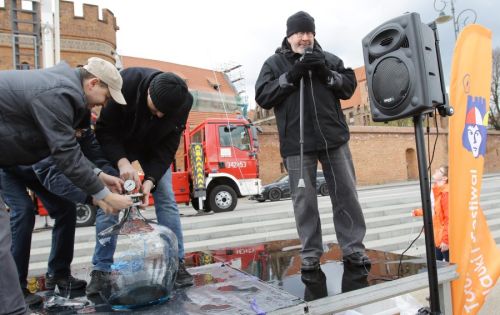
[
  {"x": 31, "y": 299},
  {"x": 99, "y": 280},
  {"x": 309, "y": 264},
  {"x": 183, "y": 278},
  {"x": 64, "y": 282},
  {"x": 357, "y": 259}
]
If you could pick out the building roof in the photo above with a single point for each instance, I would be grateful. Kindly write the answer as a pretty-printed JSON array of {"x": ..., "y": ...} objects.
[
  {"x": 196, "y": 117},
  {"x": 356, "y": 97},
  {"x": 199, "y": 79}
]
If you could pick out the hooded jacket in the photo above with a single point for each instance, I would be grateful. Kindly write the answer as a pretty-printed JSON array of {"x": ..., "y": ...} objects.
[
  {"x": 324, "y": 121},
  {"x": 132, "y": 132},
  {"x": 440, "y": 218},
  {"x": 39, "y": 112}
]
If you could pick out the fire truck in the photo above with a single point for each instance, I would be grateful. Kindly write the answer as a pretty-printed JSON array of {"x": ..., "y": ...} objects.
[{"x": 219, "y": 166}]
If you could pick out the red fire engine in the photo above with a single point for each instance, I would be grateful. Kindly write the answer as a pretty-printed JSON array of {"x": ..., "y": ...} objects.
[{"x": 220, "y": 165}]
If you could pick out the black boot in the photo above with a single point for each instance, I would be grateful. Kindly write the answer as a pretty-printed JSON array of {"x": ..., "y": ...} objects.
[
  {"x": 309, "y": 264},
  {"x": 64, "y": 282},
  {"x": 357, "y": 259},
  {"x": 31, "y": 299},
  {"x": 99, "y": 280},
  {"x": 184, "y": 278}
]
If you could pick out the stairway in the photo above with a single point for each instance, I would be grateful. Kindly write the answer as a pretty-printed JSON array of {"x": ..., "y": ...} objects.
[{"x": 390, "y": 227}]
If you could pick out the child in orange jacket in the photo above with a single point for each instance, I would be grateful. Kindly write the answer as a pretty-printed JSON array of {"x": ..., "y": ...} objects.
[{"x": 440, "y": 217}]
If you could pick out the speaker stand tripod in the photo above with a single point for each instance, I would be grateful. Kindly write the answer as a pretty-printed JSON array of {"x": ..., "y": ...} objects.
[{"x": 428, "y": 228}]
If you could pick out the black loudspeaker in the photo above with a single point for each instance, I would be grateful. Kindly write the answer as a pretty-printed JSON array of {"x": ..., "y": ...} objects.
[{"x": 403, "y": 69}]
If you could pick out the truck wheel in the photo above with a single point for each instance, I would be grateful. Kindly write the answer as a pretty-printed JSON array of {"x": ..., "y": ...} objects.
[
  {"x": 323, "y": 189},
  {"x": 85, "y": 215},
  {"x": 223, "y": 199},
  {"x": 275, "y": 194}
]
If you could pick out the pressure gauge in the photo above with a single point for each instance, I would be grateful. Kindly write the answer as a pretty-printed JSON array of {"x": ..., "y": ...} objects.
[{"x": 129, "y": 185}]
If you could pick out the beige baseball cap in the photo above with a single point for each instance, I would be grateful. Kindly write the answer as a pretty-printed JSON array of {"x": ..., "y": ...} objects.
[{"x": 107, "y": 73}]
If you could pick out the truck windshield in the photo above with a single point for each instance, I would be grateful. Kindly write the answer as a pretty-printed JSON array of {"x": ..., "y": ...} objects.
[{"x": 236, "y": 136}]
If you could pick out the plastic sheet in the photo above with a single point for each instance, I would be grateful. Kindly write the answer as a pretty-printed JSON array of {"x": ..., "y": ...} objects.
[
  {"x": 225, "y": 290},
  {"x": 57, "y": 302}
]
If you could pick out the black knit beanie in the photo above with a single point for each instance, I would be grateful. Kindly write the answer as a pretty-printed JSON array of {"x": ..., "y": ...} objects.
[
  {"x": 300, "y": 22},
  {"x": 168, "y": 92}
]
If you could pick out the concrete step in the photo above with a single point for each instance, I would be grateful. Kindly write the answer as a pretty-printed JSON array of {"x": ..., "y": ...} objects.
[
  {"x": 386, "y": 209},
  {"x": 246, "y": 223},
  {"x": 398, "y": 245},
  {"x": 489, "y": 201},
  {"x": 387, "y": 237},
  {"x": 420, "y": 249},
  {"x": 378, "y": 227}
]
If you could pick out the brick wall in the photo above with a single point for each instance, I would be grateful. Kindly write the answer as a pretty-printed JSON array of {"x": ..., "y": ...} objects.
[
  {"x": 380, "y": 154},
  {"x": 492, "y": 159},
  {"x": 81, "y": 37}
]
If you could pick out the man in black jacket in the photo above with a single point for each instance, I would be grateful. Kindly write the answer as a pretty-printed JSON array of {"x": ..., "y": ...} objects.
[
  {"x": 325, "y": 138},
  {"x": 147, "y": 130}
]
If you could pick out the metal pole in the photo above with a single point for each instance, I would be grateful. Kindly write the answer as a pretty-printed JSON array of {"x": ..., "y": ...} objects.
[
  {"x": 57, "y": 33},
  {"x": 455, "y": 22},
  {"x": 301, "y": 140},
  {"x": 426, "y": 206},
  {"x": 47, "y": 19}
]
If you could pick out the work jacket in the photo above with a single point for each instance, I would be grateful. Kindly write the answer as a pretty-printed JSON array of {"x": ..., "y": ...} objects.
[
  {"x": 39, "y": 112},
  {"x": 324, "y": 122},
  {"x": 133, "y": 132}
]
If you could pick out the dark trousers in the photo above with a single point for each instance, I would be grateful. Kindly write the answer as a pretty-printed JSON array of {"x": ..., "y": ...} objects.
[
  {"x": 13, "y": 184},
  {"x": 348, "y": 218},
  {"x": 440, "y": 255},
  {"x": 11, "y": 296}
]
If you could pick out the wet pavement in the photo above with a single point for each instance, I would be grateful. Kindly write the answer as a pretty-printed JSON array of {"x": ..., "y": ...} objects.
[{"x": 258, "y": 279}]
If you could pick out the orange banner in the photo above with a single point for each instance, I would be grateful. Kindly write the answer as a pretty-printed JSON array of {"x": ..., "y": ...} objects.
[{"x": 471, "y": 246}]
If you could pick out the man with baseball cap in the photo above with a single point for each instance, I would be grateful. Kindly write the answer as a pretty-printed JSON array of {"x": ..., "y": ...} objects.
[
  {"x": 148, "y": 130},
  {"x": 39, "y": 111},
  {"x": 108, "y": 74}
]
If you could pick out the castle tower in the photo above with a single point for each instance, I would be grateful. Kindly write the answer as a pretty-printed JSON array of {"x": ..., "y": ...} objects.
[{"x": 81, "y": 36}]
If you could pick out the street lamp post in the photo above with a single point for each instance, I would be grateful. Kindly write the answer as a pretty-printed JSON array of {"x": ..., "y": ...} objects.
[{"x": 459, "y": 20}]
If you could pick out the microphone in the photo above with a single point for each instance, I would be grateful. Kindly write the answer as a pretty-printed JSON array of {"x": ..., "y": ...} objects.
[{"x": 307, "y": 50}]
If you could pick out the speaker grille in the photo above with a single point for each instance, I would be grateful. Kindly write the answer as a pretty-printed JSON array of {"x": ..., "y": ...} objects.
[{"x": 391, "y": 82}]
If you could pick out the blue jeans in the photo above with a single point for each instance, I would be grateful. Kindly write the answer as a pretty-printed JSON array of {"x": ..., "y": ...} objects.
[
  {"x": 167, "y": 214},
  {"x": 55, "y": 181},
  {"x": 13, "y": 184}
]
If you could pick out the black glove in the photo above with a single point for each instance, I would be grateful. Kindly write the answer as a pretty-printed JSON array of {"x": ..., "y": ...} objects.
[
  {"x": 322, "y": 73},
  {"x": 314, "y": 60},
  {"x": 298, "y": 70},
  {"x": 337, "y": 80},
  {"x": 317, "y": 64}
]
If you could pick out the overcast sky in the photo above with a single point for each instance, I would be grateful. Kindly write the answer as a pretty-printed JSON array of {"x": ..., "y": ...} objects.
[{"x": 214, "y": 34}]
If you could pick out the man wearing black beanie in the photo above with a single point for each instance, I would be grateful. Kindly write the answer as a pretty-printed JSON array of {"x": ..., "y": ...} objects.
[
  {"x": 148, "y": 130},
  {"x": 326, "y": 81}
]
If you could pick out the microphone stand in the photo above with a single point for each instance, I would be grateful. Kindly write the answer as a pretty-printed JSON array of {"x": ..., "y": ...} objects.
[
  {"x": 301, "y": 131},
  {"x": 301, "y": 183}
]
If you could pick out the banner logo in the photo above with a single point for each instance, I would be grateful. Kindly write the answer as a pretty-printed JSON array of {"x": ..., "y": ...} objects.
[{"x": 474, "y": 134}]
